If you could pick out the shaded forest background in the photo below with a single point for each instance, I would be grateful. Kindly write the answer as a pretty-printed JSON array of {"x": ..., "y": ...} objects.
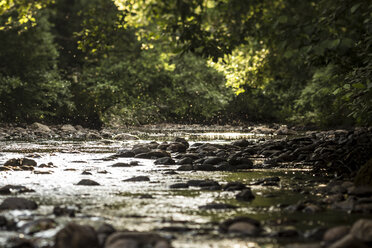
[{"x": 103, "y": 62}]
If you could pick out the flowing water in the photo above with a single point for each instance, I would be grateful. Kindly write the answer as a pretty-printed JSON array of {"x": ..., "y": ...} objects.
[{"x": 149, "y": 206}]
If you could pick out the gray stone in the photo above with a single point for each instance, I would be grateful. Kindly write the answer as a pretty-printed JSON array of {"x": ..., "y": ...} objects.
[
  {"x": 68, "y": 128},
  {"x": 137, "y": 179},
  {"x": 243, "y": 228},
  {"x": 37, "y": 226},
  {"x": 362, "y": 230},
  {"x": 13, "y": 203},
  {"x": 245, "y": 195},
  {"x": 88, "y": 182},
  {"x": 76, "y": 236},
  {"x": 348, "y": 241},
  {"x": 335, "y": 233}
]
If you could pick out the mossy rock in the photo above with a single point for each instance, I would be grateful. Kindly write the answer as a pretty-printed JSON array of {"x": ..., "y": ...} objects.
[{"x": 364, "y": 175}]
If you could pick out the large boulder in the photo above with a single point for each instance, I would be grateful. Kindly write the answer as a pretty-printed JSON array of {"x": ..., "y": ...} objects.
[
  {"x": 13, "y": 203},
  {"x": 76, "y": 236},
  {"x": 40, "y": 128},
  {"x": 136, "y": 240}
]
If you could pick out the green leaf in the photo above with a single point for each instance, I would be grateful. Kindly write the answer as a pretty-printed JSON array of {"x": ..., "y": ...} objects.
[
  {"x": 358, "y": 86},
  {"x": 336, "y": 91},
  {"x": 333, "y": 44},
  {"x": 354, "y": 8},
  {"x": 347, "y": 86}
]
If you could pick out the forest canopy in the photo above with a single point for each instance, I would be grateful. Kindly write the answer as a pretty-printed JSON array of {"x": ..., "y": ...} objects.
[{"x": 95, "y": 62}]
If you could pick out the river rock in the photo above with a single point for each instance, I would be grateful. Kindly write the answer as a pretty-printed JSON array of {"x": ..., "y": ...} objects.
[
  {"x": 137, "y": 179},
  {"x": 177, "y": 147},
  {"x": 348, "y": 241},
  {"x": 362, "y": 230},
  {"x": 9, "y": 189},
  {"x": 182, "y": 140},
  {"x": 233, "y": 186},
  {"x": 186, "y": 160},
  {"x": 335, "y": 233},
  {"x": 243, "y": 228},
  {"x": 40, "y": 127},
  {"x": 64, "y": 211},
  {"x": 87, "y": 182},
  {"x": 37, "y": 226},
  {"x": 245, "y": 195},
  {"x": 68, "y": 128},
  {"x": 136, "y": 240},
  {"x": 76, "y": 236},
  {"x": 164, "y": 161},
  {"x": 229, "y": 225},
  {"x": 179, "y": 186},
  {"x": 125, "y": 136},
  {"x": 103, "y": 232},
  {"x": 361, "y": 191},
  {"x": 13, "y": 203},
  {"x": 17, "y": 162}
]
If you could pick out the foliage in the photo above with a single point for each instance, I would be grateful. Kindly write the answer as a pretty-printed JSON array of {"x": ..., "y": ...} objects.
[
  {"x": 31, "y": 88},
  {"x": 305, "y": 62}
]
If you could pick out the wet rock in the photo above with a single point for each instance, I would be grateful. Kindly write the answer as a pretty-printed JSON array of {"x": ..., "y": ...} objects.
[
  {"x": 315, "y": 245},
  {"x": 16, "y": 162},
  {"x": 13, "y": 203},
  {"x": 243, "y": 228},
  {"x": 86, "y": 173},
  {"x": 177, "y": 147},
  {"x": 227, "y": 224},
  {"x": 213, "y": 161},
  {"x": 348, "y": 241},
  {"x": 218, "y": 206},
  {"x": 137, "y": 179},
  {"x": 335, "y": 233},
  {"x": 233, "y": 186},
  {"x": 93, "y": 136},
  {"x": 64, "y": 211},
  {"x": 186, "y": 160},
  {"x": 103, "y": 232},
  {"x": 182, "y": 140},
  {"x": 68, "y": 128},
  {"x": 179, "y": 186},
  {"x": 40, "y": 127},
  {"x": 9, "y": 189},
  {"x": 87, "y": 182},
  {"x": 76, "y": 236},
  {"x": 125, "y": 136},
  {"x": 245, "y": 195},
  {"x": 347, "y": 205},
  {"x": 154, "y": 154},
  {"x": 42, "y": 172},
  {"x": 125, "y": 154},
  {"x": 140, "y": 149},
  {"x": 205, "y": 184},
  {"x": 164, "y": 161},
  {"x": 121, "y": 165},
  {"x": 362, "y": 230},
  {"x": 362, "y": 191},
  {"x": 333, "y": 198},
  {"x": 136, "y": 240},
  {"x": 241, "y": 143},
  {"x": 37, "y": 226},
  {"x": 311, "y": 208},
  {"x": 270, "y": 181},
  {"x": 186, "y": 167}
]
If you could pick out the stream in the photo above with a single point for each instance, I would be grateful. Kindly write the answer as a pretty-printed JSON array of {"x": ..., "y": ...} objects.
[{"x": 156, "y": 206}]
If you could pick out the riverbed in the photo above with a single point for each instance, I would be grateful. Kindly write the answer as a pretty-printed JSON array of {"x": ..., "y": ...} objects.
[{"x": 154, "y": 205}]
